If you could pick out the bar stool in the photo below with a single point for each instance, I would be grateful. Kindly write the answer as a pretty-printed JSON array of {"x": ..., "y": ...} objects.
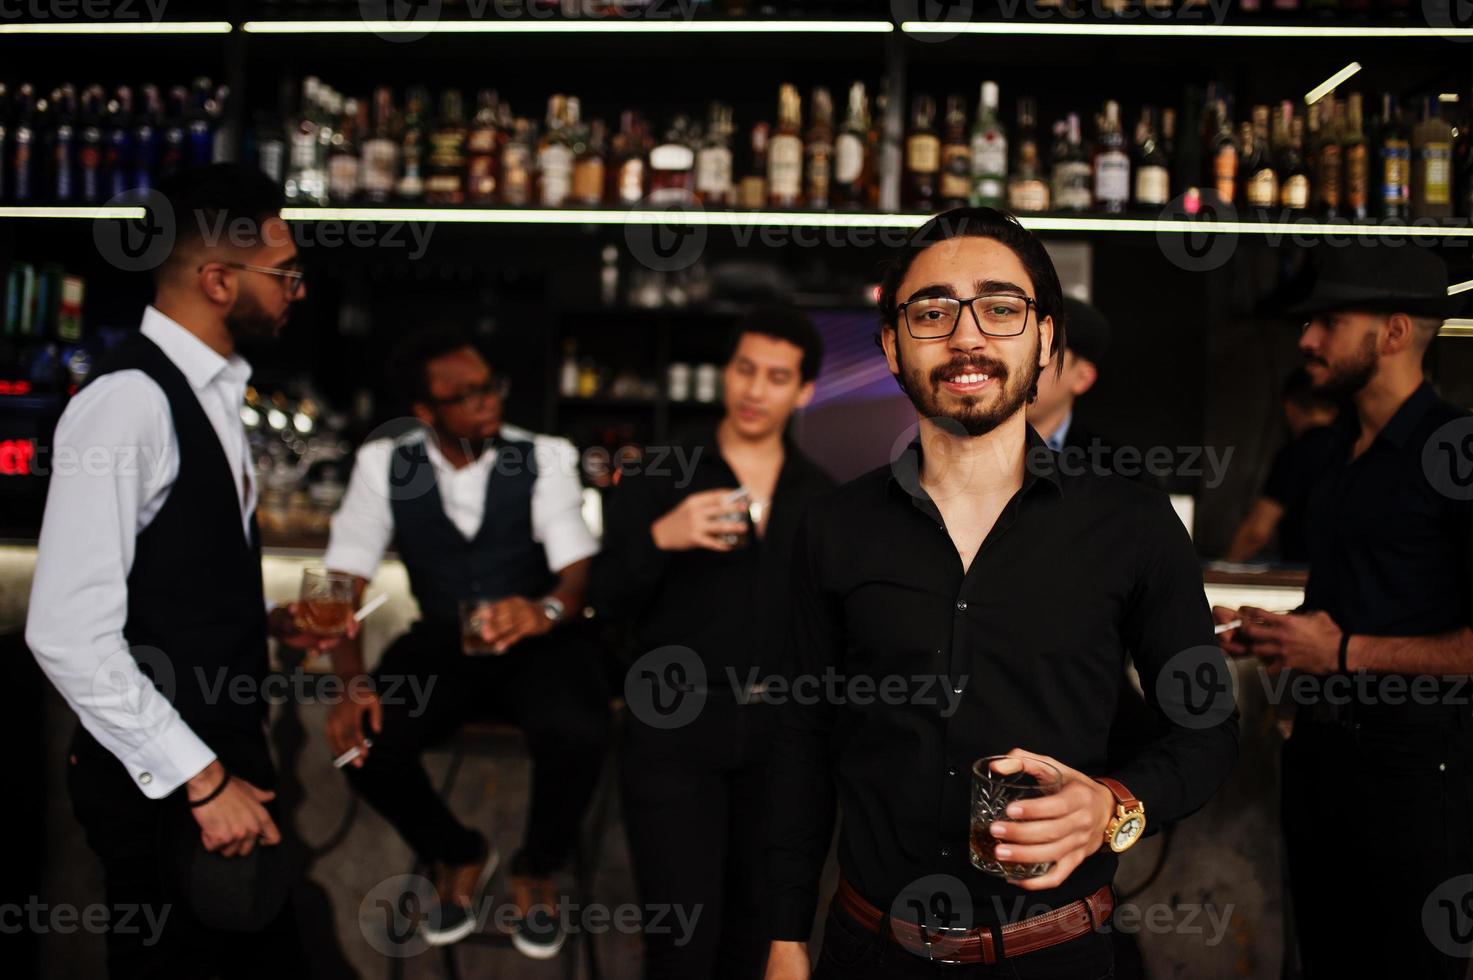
[{"x": 490, "y": 740}]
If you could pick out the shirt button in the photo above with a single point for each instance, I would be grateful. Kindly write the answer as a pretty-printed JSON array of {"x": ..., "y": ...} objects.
[
  {"x": 145, "y": 778},
  {"x": 961, "y": 605},
  {"x": 951, "y": 771},
  {"x": 946, "y": 852}
]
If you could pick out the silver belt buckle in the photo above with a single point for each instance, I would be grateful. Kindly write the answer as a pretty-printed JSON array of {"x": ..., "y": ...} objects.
[{"x": 961, "y": 937}]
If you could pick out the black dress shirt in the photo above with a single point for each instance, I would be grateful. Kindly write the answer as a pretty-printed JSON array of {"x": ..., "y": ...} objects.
[
  {"x": 1391, "y": 553},
  {"x": 730, "y": 607},
  {"x": 1295, "y": 470},
  {"x": 1077, "y": 571}
]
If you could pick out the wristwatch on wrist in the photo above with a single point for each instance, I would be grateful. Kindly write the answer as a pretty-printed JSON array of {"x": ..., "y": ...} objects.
[
  {"x": 553, "y": 608},
  {"x": 1129, "y": 821}
]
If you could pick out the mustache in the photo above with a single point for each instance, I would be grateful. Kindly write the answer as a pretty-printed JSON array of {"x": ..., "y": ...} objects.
[{"x": 969, "y": 365}]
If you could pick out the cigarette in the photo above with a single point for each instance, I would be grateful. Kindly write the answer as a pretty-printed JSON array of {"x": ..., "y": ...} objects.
[
  {"x": 370, "y": 606},
  {"x": 352, "y": 754},
  {"x": 735, "y": 495},
  {"x": 1222, "y": 628}
]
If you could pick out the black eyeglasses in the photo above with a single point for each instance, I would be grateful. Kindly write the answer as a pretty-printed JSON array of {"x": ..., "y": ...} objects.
[
  {"x": 292, "y": 280},
  {"x": 936, "y": 317},
  {"x": 495, "y": 388}
]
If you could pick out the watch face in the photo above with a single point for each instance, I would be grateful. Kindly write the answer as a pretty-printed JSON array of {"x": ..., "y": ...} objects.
[{"x": 1127, "y": 832}]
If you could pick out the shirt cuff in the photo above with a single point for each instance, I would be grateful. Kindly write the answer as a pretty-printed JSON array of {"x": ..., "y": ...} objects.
[
  {"x": 792, "y": 918},
  {"x": 345, "y": 557},
  {"x": 168, "y": 761}
]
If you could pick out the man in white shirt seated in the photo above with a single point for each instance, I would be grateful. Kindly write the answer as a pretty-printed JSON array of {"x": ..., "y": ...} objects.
[
  {"x": 481, "y": 513},
  {"x": 147, "y": 610}
]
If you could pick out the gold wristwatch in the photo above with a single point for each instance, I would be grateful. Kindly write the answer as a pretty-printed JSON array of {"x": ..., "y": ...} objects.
[{"x": 1129, "y": 822}]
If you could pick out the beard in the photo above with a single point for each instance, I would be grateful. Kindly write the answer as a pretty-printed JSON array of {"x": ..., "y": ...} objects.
[
  {"x": 248, "y": 321},
  {"x": 1351, "y": 375},
  {"x": 925, "y": 393}
]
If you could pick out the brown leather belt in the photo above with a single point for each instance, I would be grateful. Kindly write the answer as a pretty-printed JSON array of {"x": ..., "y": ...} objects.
[{"x": 978, "y": 945}]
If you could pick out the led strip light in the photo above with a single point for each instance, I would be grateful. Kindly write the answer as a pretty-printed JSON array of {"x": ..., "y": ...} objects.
[
  {"x": 142, "y": 27},
  {"x": 1177, "y": 30},
  {"x": 550, "y": 26}
]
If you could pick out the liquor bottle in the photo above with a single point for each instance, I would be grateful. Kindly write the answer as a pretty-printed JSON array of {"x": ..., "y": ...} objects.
[
  {"x": 22, "y": 163},
  {"x": 589, "y": 175},
  {"x": 445, "y": 164},
  {"x": 1294, "y": 182},
  {"x": 1028, "y": 189},
  {"x": 1152, "y": 166},
  {"x": 411, "y": 185},
  {"x": 1186, "y": 156},
  {"x": 378, "y": 171},
  {"x": 146, "y": 138},
  {"x": 199, "y": 135},
  {"x": 344, "y": 165},
  {"x": 1111, "y": 162},
  {"x": 117, "y": 143},
  {"x": 555, "y": 156},
  {"x": 222, "y": 137},
  {"x": 1073, "y": 175},
  {"x": 922, "y": 156},
  {"x": 715, "y": 162},
  {"x": 173, "y": 144},
  {"x": 1224, "y": 155},
  {"x": 955, "y": 186},
  {"x": 1260, "y": 179},
  {"x": 818, "y": 151},
  {"x": 785, "y": 152},
  {"x": 852, "y": 160},
  {"x": 989, "y": 156},
  {"x": 63, "y": 150},
  {"x": 1393, "y": 162},
  {"x": 90, "y": 173},
  {"x": 752, "y": 188},
  {"x": 1432, "y": 164},
  {"x": 673, "y": 165},
  {"x": 629, "y": 171},
  {"x": 5, "y": 131},
  {"x": 517, "y": 165},
  {"x": 1355, "y": 157},
  {"x": 482, "y": 151},
  {"x": 1329, "y": 160},
  {"x": 884, "y": 157}
]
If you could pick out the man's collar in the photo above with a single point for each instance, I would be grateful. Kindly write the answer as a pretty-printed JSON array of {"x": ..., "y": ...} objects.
[
  {"x": 1398, "y": 428},
  {"x": 197, "y": 361},
  {"x": 1038, "y": 462},
  {"x": 1061, "y": 433}
]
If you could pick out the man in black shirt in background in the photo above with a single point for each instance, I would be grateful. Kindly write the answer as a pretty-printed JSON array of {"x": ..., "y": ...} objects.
[
  {"x": 973, "y": 561},
  {"x": 1282, "y": 506},
  {"x": 1378, "y": 774},
  {"x": 708, "y": 575}
]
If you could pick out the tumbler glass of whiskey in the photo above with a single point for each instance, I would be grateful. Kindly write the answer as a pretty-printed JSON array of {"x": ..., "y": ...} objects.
[
  {"x": 325, "y": 604},
  {"x": 997, "y": 781}
]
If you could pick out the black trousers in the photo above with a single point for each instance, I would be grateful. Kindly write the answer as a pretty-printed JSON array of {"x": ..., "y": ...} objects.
[
  {"x": 1375, "y": 820},
  {"x": 695, "y": 810},
  {"x": 551, "y": 687},
  {"x": 851, "y": 952},
  {"x": 151, "y": 931}
]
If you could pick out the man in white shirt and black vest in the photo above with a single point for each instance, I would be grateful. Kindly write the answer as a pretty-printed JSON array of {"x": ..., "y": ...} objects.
[
  {"x": 478, "y": 511},
  {"x": 147, "y": 610}
]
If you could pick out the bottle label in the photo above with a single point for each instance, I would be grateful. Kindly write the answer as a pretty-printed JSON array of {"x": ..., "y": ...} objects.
[
  {"x": 956, "y": 174},
  {"x": 1112, "y": 178},
  {"x": 1263, "y": 188},
  {"x": 1328, "y": 182},
  {"x": 990, "y": 154},
  {"x": 1357, "y": 177},
  {"x": 1294, "y": 193},
  {"x": 923, "y": 154},
  {"x": 785, "y": 166},
  {"x": 588, "y": 181},
  {"x": 342, "y": 176},
  {"x": 1072, "y": 191},
  {"x": 848, "y": 158},
  {"x": 480, "y": 178},
  {"x": 819, "y": 162},
  {"x": 631, "y": 181},
  {"x": 1152, "y": 185},
  {"x": 556, "y": 164},
  {"x": 380, "y": 161},
  {"x": 752, "y": 192},
  {"x": 1395, "y": 172},
  {"x": 1028, "y": 194},
  {"x": 713, "y": 172},
  {"x": 516, "y": 175},
  {"x": 1225, "y": 172},
  {"x": 1437, "y": 170}
]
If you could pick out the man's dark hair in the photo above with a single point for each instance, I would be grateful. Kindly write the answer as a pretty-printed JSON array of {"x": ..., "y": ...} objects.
[
  {"x": 1300, "y": 391},
  {"x": 1000, "y": 226},
  {"x": 227, "y": 200},
  {"x": 784, "y": 323},
  {"x": 410, "y": 359}
]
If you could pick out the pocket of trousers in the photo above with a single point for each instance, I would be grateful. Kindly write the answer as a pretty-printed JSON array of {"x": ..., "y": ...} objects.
[{"x": 846, "y": 943}]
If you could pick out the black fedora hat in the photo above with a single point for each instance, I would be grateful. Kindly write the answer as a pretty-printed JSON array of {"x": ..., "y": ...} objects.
[
  {"x": 232, "y": 894},
  {"x": 1408, "y": 278},
  {"x": 1086, "y": 331}
]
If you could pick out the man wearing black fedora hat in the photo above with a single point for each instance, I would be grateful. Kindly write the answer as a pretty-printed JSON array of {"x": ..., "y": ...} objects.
[{"x": 1378, "y": 773}]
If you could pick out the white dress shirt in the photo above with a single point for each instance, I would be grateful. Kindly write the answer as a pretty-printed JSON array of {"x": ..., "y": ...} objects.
[
  {"x": 363, "y": 527},
  {"x": 116, "y": 457}
]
